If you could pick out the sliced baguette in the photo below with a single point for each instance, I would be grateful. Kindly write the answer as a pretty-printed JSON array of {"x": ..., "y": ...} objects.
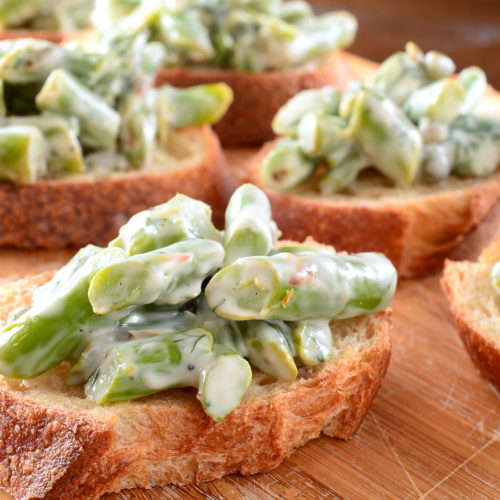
[
  {"x": 475, "y": 305},
  {"x": 82, "y": 209},
  {"x": 415, "y": 228},
  {"x": 258, "y": 96},
  {"x": 55, "y": 444}
]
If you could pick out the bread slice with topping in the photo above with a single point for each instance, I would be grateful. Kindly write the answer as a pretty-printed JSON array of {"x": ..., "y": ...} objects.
[
  {"x": 475, "y": 305},
  {"x": 55, "y": 444},
  {"x": 87, "y": 208},
  {"x": 415, "y": 227}
]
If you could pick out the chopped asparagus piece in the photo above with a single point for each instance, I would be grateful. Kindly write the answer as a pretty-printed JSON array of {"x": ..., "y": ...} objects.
[
  {"x": 178, "y": 108},
  {"x": 250, "y": 229},
  {"x": 99, "y": 123},
  {"x": 475, "y": 142},
  {"x": 223, "y": 383},
  {"x": 384, "y": 133},
  {"x": 319, "y": 135},
  {"x": 473, "y": 80},
  {"x": 313, "y": 341},
  {"x": 320, "y": 35},
  {"x": 286, "y": 165},
  {"x": 438, "y": 65},
  {"x": 100, "y": 341},
  {"x": 141, "y": 367},
  {"x": 28, "y": 60},
  {"x": 322, "y": 101},
  {"x": 64, "y": 151},
  {"x": 302, "y": 285},
  {"x": 186, "y": 34},
  {"x": 440, "y": 101},
  {"x": 171, "y": 275},
  {"x": 178, "y": 219},
  {"x": 269, "y": 348},
  {"x": 399, "y": 76},
  {"x": 139, "y": 127},
  {"x": 344, "y": 166},
  {"x": 23, "y": 154}
]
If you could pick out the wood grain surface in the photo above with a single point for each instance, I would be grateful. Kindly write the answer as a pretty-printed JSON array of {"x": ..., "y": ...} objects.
[{"x": 433, "y": 430}]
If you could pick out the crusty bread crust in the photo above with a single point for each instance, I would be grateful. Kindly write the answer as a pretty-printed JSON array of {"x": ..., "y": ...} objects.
[
  {"x": 415, "y": 228},
  {"x": 55, "y": 444},
  {"x": 476, "y": 309},
  {"x": 78, "y": 210},
  {"x": 258, "y": 96}
]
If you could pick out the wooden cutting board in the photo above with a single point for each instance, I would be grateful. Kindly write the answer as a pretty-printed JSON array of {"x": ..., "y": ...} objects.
[{"x": 433, "y": 430}]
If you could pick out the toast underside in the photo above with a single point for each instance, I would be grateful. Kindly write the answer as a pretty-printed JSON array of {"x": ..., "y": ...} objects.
[
  {"x": 56, "y": 444},
  {"x": 475, "y": 305},
  {"x": 82, "y": 209}
]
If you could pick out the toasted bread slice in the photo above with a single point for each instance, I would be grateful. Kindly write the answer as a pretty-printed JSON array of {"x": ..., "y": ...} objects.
[
  {"x": 475, "y": 305},
  {"x": 55, "y": 444},
  {"x": 83, "y": 209},
  {"x": 415, "y": 228},
  {"x": 258, "y": 96}
]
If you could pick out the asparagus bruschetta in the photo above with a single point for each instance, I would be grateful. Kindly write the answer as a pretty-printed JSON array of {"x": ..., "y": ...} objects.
[{"x": 142, "y": 363}]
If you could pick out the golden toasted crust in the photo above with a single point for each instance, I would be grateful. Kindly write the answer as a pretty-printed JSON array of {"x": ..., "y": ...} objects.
[
  {"x": 476, "y": 309},
  {"x": 78, "y": 210},
  {"x": 55, "y": 444},
  {"x": 415, "y": 228},
  {"x": 258, "y": 96}
]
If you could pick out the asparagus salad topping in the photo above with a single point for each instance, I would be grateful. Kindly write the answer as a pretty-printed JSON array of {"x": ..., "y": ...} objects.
[
  {"x": 64, "y": 110},
  {"x": 249, "y": 35},
  {"x": 411, "y": 121},
  {"x": 173, "y": 302}
]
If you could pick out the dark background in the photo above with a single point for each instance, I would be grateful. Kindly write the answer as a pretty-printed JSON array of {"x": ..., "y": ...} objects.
[{"x": 466, "y": 30}]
